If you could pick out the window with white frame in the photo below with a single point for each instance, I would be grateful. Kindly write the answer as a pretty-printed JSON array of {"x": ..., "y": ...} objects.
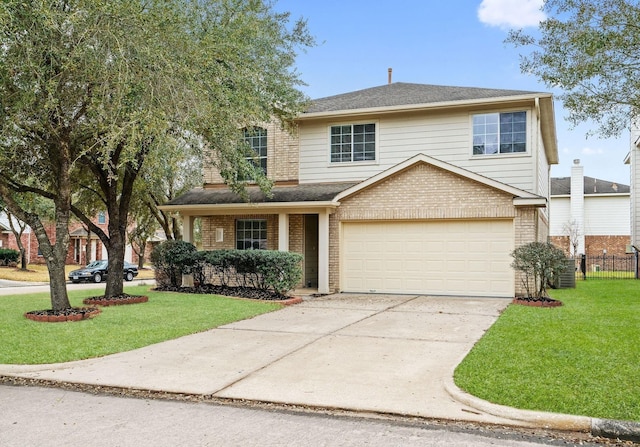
[
  {"x": 499, "y": 133},
  {"x": 256, "y": 138},
  {"x": 102, "y": 218},
  {"x": 353, "y": 142},
  {"x": 251, "y": 234}
]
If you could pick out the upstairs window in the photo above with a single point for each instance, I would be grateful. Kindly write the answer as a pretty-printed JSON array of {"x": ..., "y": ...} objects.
[
  {"x": 353, "y": 142},
  {"x": 102, "y": 218},
  {"x": 251, "y": 234},
  {"x": 256, "y": 139},
  {"x": 499, "y": 133}
]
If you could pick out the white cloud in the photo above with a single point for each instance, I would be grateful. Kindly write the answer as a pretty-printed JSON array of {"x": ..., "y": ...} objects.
[
  {"x": 592, "y": 151},
  {"x": 511, "y": 13}
]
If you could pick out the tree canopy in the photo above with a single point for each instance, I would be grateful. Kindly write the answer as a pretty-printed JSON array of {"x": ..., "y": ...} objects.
[
  {"x": 591, "y": 50},
  {"x": 90, "y": 89}
]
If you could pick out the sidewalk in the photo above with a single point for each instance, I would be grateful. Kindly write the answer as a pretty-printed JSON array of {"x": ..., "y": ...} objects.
[{"x": 364, "y": 353}]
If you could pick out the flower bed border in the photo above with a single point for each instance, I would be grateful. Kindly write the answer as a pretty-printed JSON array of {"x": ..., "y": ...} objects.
[
  {"x": 115, "y": 301},
  {"x": 548, "y": 302},
  {"x": 49, "y": 316}
]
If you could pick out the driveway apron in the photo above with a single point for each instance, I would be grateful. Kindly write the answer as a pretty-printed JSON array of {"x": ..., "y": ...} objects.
[{"x": 367, "y": 353}]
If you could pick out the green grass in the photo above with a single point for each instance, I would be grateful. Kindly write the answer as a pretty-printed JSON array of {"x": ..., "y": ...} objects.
[
  {"x": 582, "y": 358},
  {"x": 118, "y": 328}
]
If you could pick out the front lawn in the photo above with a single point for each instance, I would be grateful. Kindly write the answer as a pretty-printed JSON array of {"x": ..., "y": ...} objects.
[
  {"x": 582, "y": 358},
  {"x": 165, "y": 316}
]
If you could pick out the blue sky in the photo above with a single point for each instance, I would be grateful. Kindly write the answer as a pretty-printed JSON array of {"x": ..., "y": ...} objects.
[{"x": 444, "y": 42}]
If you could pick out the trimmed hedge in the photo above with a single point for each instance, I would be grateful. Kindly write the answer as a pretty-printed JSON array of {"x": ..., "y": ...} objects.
[
  {"x": 8, "y": 256},
  {"x": 268, "y": 270}
]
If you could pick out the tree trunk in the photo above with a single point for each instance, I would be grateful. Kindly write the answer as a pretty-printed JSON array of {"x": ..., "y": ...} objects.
[
  {"x": 115, "y": 249},
  {"x": 58, "y": 285},
  {"x": 143, "y": 249}
]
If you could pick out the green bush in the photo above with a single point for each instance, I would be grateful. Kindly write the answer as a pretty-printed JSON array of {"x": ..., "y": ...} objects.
[
  {"x": 8, "y": 256},
  {"x": 275, "y": 271},
  {"x": 540, "y": 263},
  {"x": 171, "y": 260}
]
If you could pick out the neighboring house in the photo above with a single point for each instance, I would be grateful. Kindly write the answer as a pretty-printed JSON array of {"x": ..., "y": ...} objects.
[
  {"x": 592, "y": 214},
  {"x": 633, "y": 160},
  {"x": 402, "y": 188},
  {"x": 77, "y": 253}
]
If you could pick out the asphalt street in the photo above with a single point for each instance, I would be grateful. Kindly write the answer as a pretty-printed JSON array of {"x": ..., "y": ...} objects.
[{"x": 34, "y": 416}]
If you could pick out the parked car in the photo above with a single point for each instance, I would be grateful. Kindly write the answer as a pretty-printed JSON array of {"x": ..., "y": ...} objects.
[{"x": 97, "y": 271}]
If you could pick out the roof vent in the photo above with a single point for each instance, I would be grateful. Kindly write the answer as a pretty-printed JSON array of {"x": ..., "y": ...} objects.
[{"x": 389, "y": 72}]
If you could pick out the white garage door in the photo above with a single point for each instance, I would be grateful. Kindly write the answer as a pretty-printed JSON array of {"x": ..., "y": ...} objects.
[{"x": 440, "y": 258}]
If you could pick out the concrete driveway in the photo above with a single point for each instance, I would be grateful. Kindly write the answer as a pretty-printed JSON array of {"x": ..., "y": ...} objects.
[{"x": 371, "y": 353}]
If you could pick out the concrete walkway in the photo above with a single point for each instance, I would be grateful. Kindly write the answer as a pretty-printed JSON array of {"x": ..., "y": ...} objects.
[{"x": 364, "y": 353}]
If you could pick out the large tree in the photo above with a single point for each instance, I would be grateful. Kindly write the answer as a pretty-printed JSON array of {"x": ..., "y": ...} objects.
[
  {"x": 591, "y": 50},
  {"x": 91, "y": 88}
]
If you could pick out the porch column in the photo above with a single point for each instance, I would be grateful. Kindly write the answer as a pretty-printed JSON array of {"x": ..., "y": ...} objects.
[
  {"x": 187, "y": 228},
  {"x": 283, "y": 232},
  {"x": 323, "y": 252},
  {"x": 187, "y": 236}
]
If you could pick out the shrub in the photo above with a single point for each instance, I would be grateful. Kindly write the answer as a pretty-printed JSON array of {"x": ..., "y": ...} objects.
[
  {"x": 277, "y": 271},
  {"x": 268, "y": 270},
  {"x": 8, "y": 256},
  {"x": 540, "y": 263},
  {"x": 171, "y": 260}
]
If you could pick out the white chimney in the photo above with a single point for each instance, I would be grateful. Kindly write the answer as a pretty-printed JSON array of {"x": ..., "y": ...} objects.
[{"x": 577, "y": 202}]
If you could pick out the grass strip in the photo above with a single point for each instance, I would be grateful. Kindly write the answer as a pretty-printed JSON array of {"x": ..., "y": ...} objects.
[
  {"x": 582, "y": 358},
  {"x": 165, "y": 316}
]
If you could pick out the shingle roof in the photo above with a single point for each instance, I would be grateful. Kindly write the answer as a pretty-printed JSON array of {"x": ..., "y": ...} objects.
[
  {"x": 310, "y": 192},
  {"x": 401, "y": 93},
  {"x": 562, "y": 186}
]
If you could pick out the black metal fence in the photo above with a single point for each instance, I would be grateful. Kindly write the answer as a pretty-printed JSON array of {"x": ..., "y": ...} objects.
[{"x": 607, "y": 266}]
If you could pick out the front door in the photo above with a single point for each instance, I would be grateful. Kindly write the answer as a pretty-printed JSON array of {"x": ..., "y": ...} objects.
[{"x": 311, "y": 250}]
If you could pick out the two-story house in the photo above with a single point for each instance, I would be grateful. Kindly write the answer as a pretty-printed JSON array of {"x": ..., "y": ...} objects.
[
  {"x": 589, "y": 215},
  {"x": 402, "y": 188}
]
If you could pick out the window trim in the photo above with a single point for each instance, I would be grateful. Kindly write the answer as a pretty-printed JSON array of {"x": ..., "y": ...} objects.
[
  {"x": 258, "y": 157},
  {"x": 528, "y": 136},
  {"x": 266, "y": 234},
  {"x": 376, "y": 158}
]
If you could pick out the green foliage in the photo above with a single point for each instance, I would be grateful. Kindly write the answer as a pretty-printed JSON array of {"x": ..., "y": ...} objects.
[
  {"x": 540, "y": 263},
  {"x": 270, "y": 270},
  {"x": 8, "y": 256},
  {"x": 165, "y": 316},
  {"x": 580, "y": 358},
  {"x": 171, "y": 260},
  {"x": 591, "y": 50},
  {"x": 91, "y": 89}
]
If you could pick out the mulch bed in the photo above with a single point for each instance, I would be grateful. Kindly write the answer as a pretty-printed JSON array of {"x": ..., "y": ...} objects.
[
  {"x": 542, "y": 302},
  {"x": 115, "y": 300},
  {"x": 242, "y": 292},
  {"x": 56, "y": 316}
]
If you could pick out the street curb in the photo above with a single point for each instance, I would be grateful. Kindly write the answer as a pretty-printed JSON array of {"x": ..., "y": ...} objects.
[{"x": 607, "y": 428}]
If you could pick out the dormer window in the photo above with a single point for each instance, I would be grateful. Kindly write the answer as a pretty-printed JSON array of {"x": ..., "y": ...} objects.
[
  {"x": 353, "y": 143},
  {"x": 499, "y": 133}
]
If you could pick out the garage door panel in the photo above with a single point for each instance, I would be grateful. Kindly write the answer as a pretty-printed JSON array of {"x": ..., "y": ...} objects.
[{"x": 427, "y": 257}]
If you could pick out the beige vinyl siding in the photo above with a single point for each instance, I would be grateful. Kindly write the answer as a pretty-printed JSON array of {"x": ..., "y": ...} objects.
[
  {"x": 603, "y": 215},
  {"x": 446, "y": 137},
  {"x": 607, "y": 215},
  {"x": 560, "y": 215}
]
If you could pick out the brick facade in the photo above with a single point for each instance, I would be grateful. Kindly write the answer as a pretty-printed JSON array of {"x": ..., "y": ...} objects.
[
  {"x": 595, "y": 245},
  {"x": 282, "y": 157}
]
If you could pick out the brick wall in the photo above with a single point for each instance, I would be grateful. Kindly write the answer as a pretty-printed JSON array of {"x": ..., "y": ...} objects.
[
  {"x": 594, "y": 245},
  {"x": 282, "y": 157},
  {"x": 228, "y": 225}
]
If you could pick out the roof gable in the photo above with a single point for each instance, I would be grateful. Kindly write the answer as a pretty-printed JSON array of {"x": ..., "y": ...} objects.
[{"x": 520, "y": 196}]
